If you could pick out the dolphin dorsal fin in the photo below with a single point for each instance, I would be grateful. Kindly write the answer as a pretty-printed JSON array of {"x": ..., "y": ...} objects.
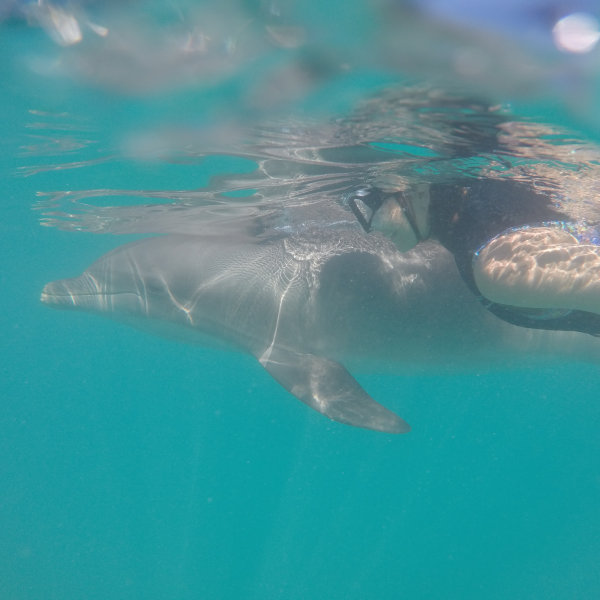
[{"x": 328, "y": 387}]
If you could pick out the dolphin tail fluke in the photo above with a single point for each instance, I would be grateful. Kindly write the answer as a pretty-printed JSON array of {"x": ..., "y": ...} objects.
[{"x": 328, "y": 387}]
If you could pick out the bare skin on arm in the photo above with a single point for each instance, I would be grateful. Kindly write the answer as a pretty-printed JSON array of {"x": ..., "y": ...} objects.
[{"x": 540, "y": 267}]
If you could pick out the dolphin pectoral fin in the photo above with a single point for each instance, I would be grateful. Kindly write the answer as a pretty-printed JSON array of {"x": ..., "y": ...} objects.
[{"x": 328, "y": 387}]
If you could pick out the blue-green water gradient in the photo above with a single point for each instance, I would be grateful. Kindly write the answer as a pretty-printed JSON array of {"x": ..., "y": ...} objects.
[{"x": 133, "y": 467}]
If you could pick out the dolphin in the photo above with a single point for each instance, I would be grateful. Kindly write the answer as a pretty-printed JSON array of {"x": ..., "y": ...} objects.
[{"x": 306, "y": 304}]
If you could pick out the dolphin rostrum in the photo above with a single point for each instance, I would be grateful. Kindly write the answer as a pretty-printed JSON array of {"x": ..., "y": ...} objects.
[{"x": 302, "y": 303}]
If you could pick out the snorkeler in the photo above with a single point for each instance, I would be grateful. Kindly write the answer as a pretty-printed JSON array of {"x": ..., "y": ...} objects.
[{"x": 524, "y": 259}]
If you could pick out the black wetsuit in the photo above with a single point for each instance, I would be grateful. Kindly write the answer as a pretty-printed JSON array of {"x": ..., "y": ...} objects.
[{"x": 465, "y": 217}]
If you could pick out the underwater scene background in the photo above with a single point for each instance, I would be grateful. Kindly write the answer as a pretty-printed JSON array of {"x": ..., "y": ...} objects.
[{"x": 133, "y": 466}]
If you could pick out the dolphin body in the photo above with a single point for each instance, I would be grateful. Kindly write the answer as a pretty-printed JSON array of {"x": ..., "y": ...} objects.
[{"x": 302, "y": 303}]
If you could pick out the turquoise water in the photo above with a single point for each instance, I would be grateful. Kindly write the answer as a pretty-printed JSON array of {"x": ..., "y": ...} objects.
[{"x": 137, "y": 467}]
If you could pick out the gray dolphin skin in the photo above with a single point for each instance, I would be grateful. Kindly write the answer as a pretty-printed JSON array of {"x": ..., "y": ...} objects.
[{"x": 302, "y": 304}]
